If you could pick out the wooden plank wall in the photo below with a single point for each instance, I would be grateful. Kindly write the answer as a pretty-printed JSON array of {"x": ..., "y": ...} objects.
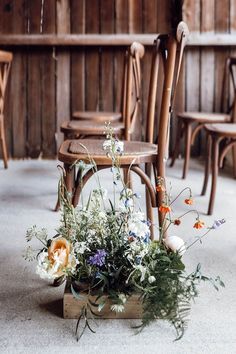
[
  {"x": 202, "y": 76},
  {"x": 48, "y": 83}
]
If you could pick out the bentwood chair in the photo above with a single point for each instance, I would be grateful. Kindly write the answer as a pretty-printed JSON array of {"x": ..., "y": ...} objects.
[
  {"x": 221, "y": 137},
  {"x": 189, "y": 124},
  {"x": 5, "y": 64},
  {"x": 92, "y": 124},
  {"x": 167, "y": 50}
]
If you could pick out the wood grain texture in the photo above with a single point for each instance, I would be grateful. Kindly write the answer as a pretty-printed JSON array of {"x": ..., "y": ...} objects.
[
  {"x": 18, "y": 84},
  {"x": 6, "y": 27},
  {"x": 207, "y": 59},
  {"x": 191, "y": 14},
  {"x": 63, "y": 68},
  {"x": 78, "y": 57},
  {"x": 106, "y": 58},
  {"x": 92, "y": 58},
  {"x": 34, "y": 88},
  {"x": 150, "y": 25},
  {"x": 136, "y": 26},
  {"x": 72, "y": 307},
  {"x": 121, "y": 26},
  {"x": 48, "y": 76},
  {"x": 221, "y": 25}
]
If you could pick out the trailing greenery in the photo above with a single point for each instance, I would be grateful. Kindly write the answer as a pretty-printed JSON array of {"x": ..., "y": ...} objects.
[{"x": 104, "y": 247}]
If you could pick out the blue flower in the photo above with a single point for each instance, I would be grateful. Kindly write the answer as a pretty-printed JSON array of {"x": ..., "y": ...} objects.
[
  {"x": 146, "y": 238},
  {"x": 98, "y": 259},
  {"x": 218, "y": 223}
]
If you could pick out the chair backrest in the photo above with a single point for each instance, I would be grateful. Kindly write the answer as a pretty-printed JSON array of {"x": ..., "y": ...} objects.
[
  {"x": 5, "y": 64},
  {"x": 168, "y": 51},
  {"x": 231, "y": 65},
  {"x": 132, "y": 86}
]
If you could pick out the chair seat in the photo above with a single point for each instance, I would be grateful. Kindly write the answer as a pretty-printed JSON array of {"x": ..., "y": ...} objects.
[
  {"x": 135, "y": 152},
  {"x": 227, "y": 129},
  {"x": 89, "y": 127},
  {"x": 97, "y": 116},
  {"x": 205, "y": 117}
]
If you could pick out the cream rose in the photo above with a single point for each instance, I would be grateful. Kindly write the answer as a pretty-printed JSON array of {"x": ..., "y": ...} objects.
[
  {"x": 52, "y": 264},
  {"x": 175, "y": 243}
]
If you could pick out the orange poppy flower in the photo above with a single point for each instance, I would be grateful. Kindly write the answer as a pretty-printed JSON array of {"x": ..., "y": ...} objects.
[
  {"x": 164, "y": 208},
  {"x": 189, "y": 201},
  {"x": 160, "y": 188},
  {"x": 199, "y": 224},
  {"x": 177, "y": 222}
]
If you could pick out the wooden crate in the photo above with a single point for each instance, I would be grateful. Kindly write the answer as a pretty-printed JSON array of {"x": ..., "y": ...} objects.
[{"x": 72, "y": 307}]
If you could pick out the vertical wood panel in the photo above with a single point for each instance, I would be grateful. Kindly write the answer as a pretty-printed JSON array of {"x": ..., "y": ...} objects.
[
  {"x": 6, "y": 27},
  {"x": 48, "y": 75},
  {"x": 191, "y": 14},
  {"x": 221, "y": 25},
  {"x": 63, "y": 67},
  {"x": 18, "y": 84},
  {"x": 92, "y": 58},
  {"x": 34, "y": 84},
  {"x": 78, "y": 57},
  {"x": 107, "y": 64},
  {"x": 136, "y": 26},
  {"x": 149, "y": 26},
  {"x": 121, "y": 26},
  {"x": 207, "y": 58}
]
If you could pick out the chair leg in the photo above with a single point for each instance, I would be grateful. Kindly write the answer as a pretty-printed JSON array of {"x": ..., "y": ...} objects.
[
  {"x": 234, "y": 159},
  {"x": 69, "y": 182},
  {"x": 207, "y": 165},
  {"x": 188, "y": 138},
  {"x": 3, "y": 145},
  {"x": 177, "y": 142},
  {"x": 148, "y": 202},
  {"x": 215, "y": 169}
]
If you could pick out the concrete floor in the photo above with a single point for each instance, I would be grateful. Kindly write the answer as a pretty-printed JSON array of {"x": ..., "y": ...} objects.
[{"x": 31, "y": 310}]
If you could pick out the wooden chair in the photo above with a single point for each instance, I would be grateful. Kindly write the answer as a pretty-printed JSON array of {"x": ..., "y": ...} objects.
[
  {"x": 221, "y": 137},
  {"x": 186, "y": 121},
  {"x": 92, "y": 124},
  {"x": 5, "y": 64},
  {"x": 135, "y": 152}
]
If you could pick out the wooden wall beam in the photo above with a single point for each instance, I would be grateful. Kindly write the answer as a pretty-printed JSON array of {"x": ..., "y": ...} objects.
[{"x": 196, "y": 39}]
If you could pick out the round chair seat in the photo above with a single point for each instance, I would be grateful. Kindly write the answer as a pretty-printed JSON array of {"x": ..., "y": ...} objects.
[
  {"x": 89, "y": 128},
  {"x": 97, "y": 116},
  {"x": 205, "y": 117},
  {"x": 135, "y": 152},
  {"x": 227, "y": 129}
]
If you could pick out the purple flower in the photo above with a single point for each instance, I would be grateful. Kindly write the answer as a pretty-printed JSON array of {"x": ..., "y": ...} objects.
[
  {"x": 98, "y": 259},
  {"x": 218, "y": 223}
]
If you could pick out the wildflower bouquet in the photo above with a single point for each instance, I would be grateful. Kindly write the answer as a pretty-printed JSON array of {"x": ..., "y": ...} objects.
[{"x": 105, "y": 247}]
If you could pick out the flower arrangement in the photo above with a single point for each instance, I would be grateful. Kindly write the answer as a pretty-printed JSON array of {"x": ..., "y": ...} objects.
[{"x": 105, "y": 247}]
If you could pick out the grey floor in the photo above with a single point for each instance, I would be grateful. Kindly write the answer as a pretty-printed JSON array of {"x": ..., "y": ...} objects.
[{"x": 31, "y": 310}]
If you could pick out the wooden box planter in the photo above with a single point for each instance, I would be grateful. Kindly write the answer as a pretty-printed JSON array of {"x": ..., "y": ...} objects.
[{"x": 72, "y": 307}]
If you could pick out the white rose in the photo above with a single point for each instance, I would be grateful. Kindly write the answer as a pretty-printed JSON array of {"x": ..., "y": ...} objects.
[
  {"x": 151, "y": 279},
  {"x": 175, "y": 243}
]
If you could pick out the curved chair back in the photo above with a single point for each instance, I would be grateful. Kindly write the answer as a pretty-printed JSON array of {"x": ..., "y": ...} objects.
[
  {"x": 5, "y": 64},
  {"x": 166, "y": 61},
  {"x": 132, "y": 87}
]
